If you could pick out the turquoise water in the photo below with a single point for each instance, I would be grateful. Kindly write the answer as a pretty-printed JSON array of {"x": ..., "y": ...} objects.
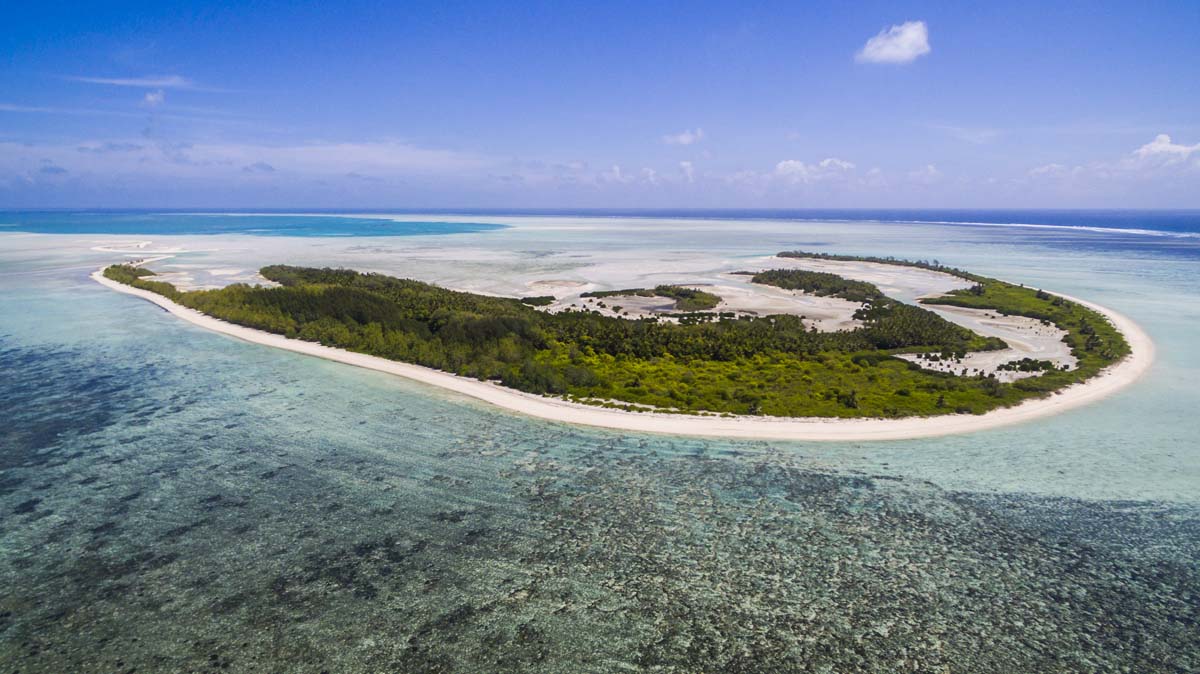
[
  {"x": 174, "y": 499},
  {"x": 148, "y": 223}
]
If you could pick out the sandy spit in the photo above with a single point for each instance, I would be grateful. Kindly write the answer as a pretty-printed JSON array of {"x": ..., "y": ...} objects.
[{"x": 1111, "y": 380}]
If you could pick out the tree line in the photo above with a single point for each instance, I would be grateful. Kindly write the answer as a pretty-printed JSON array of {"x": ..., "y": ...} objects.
[{"x": 768, "y": 364}]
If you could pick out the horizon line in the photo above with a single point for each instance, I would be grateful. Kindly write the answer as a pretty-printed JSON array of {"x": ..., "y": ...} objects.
[{"x": 609, "y": 209}]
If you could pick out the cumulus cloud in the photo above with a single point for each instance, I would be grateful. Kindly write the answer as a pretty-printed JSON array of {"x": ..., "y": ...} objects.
[
  {"x": 685, "y": 137},
  {"x": 1163, "y": 151},
  {"x": 613, "y": 175},
  {"x": 1048, "y": 170},
  {"x": 835, "y": 164},
  {"x": 875, "y": 178},
  {"x": 792, "y": 169},
  {"x": 926, "y": 175},
  {"x": 1161, "y": 172},
  {"x": 1160, "y": 159},
  {"x": 153, "y": 99},
  {"x": 901, "y": 43},
  {"x": 796, "y": 172},
  {"x": 687, "y": 171}
]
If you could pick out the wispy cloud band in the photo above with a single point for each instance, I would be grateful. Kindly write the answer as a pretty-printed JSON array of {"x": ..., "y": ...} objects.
[{"x": 147, "y": 82}]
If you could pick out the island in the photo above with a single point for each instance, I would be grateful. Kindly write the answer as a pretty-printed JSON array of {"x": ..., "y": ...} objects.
[{"x": 682, "y": 360}]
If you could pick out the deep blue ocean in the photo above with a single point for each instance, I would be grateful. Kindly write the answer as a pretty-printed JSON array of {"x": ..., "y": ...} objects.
[
  {"x": 1135, "y": 220},
  {"x": 326, "y": 223}
]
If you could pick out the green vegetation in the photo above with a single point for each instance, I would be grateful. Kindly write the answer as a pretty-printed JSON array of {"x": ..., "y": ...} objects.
[
  {"x": 821, "y": 284},
  {"x": 538, "y": 301},
  {"x": 627, "y": 292},
  {"x": 1027, "y": 365},
  {"x": 712, "y": 363},
  {"x": 931, "y": 265},
  {"x": 1094, "y": 341},
  {"x": 894, "y": 325},
  {"x": 686, "y": 299},
  {"x": 134, "y": 276}
]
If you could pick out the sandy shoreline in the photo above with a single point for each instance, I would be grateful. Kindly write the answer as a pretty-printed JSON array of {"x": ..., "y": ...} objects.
[{"x": 804, "y": 429}]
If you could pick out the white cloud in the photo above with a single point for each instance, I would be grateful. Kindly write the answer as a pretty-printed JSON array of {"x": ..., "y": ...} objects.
[
  {"x": 1160, "y": 172},
  {"x": 1048, "y": 170},
  {"x": 793, "y": 169},
  {"x": 649, "y": 176},
  {"x": 614, "y": 175},
  {"x": 10, "y": 107},
  {"x": 685, "y": 137},
  {"x": 875, "y": 178},
  {"x": 1160, "y": 159},
  {"x": 902, "y": 43},
  {"x": 1163, "y": 152},
  {"x": 153, "y": 99},
  {"x": 796, "y": 172},
  {"x": 832, "y": 163},
  {"x": 100, "y": 148},
  {"x": 926, "y": 175},
  {"x": 688, "y": 171},
  {"x": 150, "y": 81}
]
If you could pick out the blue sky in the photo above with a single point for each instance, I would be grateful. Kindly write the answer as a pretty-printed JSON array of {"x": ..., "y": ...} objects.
[{"x": 637, "y": 104}]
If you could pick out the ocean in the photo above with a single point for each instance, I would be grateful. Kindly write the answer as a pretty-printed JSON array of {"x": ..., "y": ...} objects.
[
  {"x": 256, "y": 224},
  {"x": 176, "y": 500}
]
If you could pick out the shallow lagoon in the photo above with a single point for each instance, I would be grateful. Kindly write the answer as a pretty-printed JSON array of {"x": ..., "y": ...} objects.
[{"x": 175, "y": 499}]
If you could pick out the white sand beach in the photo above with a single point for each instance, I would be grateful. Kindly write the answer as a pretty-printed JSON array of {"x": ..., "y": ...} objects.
[{"x": 803, "y": 429}]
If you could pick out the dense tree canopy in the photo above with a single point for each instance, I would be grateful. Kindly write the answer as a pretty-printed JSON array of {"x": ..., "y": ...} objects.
[{"x": 747, "y": 365}]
